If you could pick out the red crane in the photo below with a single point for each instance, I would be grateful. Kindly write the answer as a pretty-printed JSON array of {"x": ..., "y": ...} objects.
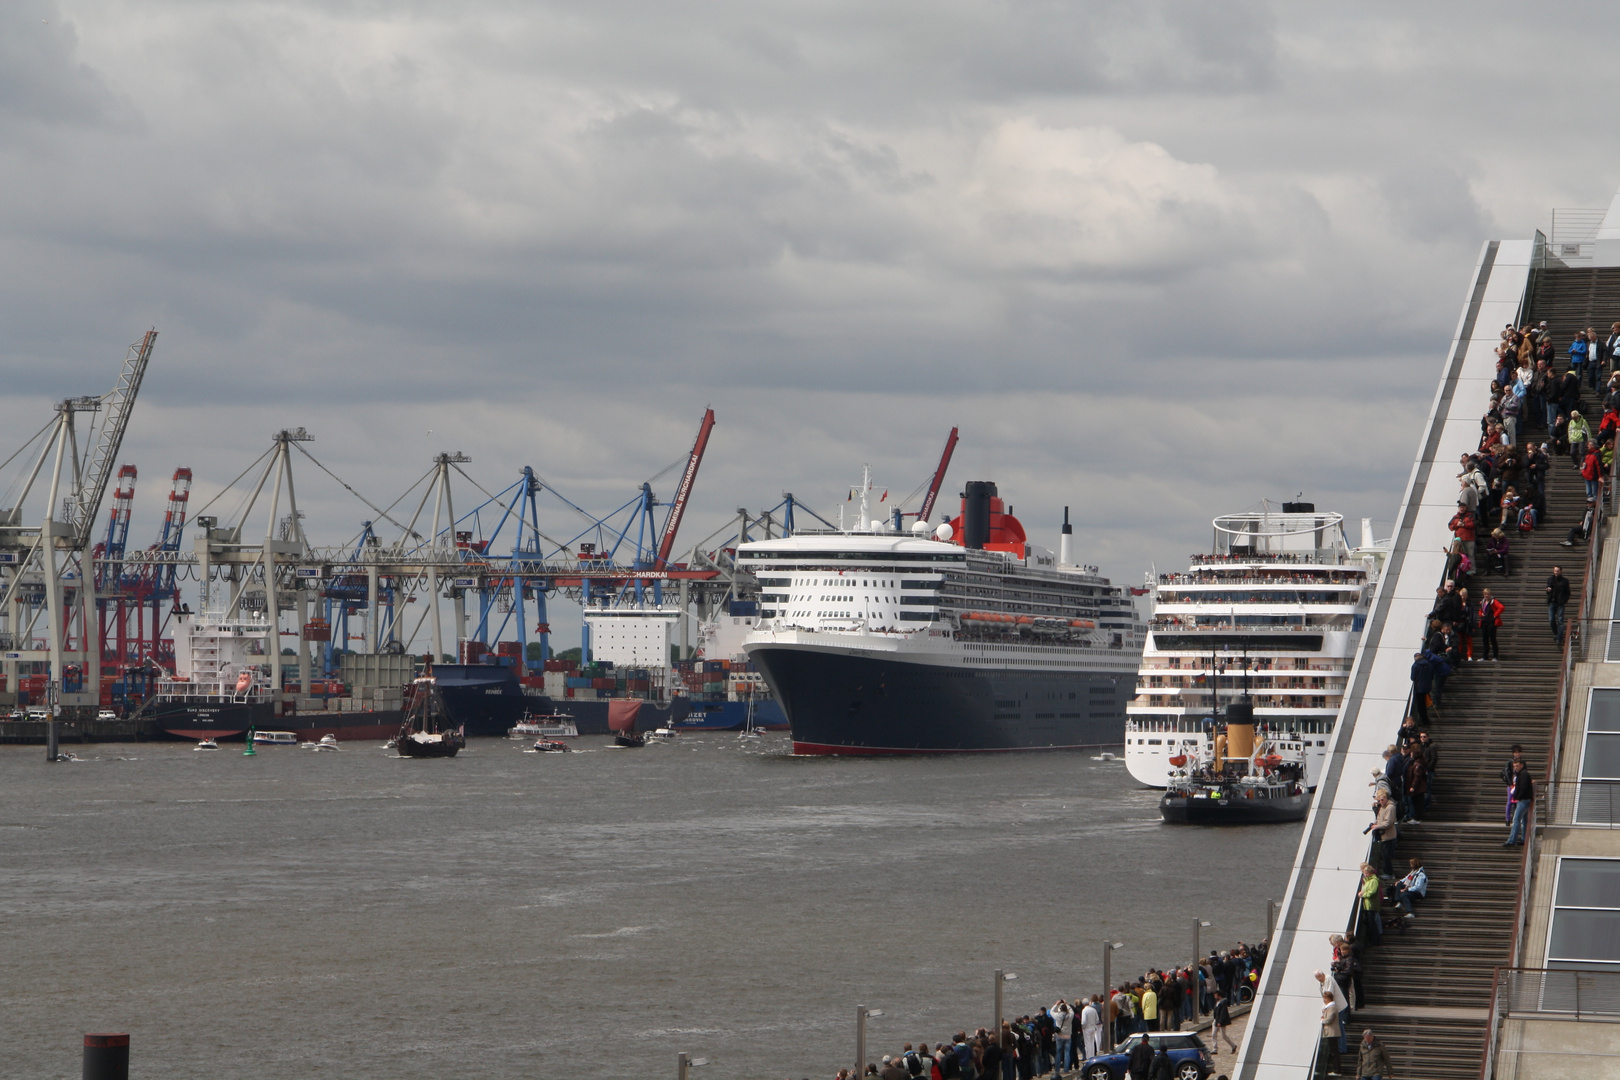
[
  {"x": 939, "y": 478},
  {"x": 666, "y": 543}
]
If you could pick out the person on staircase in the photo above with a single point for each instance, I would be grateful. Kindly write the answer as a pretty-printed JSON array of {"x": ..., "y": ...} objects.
[
  {"x": 1579, "y": 434},
  {"x": 1581, "y": 531},
  {"x": 1578, "y": 354},
  {"x": 1422, "y": 683},
  {"x": 1414, "y": 884},
  {"x": 1498, "y": 554},
  {"x": 1524, "y": 794},
  {"x": 1372, "y": 1060},
  {"x": 1592, "y": 471},
  {"x": 1557, "y": 600},
  {"x": 1488, "y": 618}
]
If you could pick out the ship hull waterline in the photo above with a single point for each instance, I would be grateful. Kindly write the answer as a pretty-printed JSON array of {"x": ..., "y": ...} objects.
[
  {"x": 1205, "y": 811},
  {"x": 838, "y": 703}
]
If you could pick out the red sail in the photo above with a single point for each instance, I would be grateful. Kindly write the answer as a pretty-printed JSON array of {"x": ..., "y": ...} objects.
[{"x": 622, "y": 715}]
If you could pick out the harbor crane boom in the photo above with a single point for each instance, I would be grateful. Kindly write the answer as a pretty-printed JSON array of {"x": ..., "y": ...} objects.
[
  {"x": 87, "y": 502},
  {"x": 683, "y": 493},
  {"x": 939, "y": 478}
]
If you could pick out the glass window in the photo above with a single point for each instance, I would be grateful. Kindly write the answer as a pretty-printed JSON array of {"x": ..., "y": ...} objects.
[
  {"x": 1598, "y": 797},
  {"x": 1585, "y": 930}
]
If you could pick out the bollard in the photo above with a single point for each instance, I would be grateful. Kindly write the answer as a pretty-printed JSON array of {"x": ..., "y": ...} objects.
[{"x": 106, "y": 1057}]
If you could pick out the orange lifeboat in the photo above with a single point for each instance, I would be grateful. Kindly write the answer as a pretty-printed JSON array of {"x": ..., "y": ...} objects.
[{"x": 1179, "y": 760}]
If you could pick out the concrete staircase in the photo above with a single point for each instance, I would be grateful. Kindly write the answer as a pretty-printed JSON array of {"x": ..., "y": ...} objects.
[{"x": 1428, "y": 986}]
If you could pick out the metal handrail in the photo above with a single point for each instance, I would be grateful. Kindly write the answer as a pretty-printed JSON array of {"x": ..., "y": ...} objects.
[{"x": 1567, "y": 800}]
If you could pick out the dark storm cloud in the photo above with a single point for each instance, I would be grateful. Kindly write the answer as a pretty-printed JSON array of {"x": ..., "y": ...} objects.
[{"x": 1158, "y": 260}]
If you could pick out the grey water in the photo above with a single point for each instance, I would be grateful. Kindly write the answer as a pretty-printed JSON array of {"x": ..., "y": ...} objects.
[{"x": 510, "y": 914}]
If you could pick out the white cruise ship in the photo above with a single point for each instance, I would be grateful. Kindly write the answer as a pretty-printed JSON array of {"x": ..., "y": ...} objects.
[
  {"x": 1274, "y": 612},
  {"x": 965, "y": 638}
]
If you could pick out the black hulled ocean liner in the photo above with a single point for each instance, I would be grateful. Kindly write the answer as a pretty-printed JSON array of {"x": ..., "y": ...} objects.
[{"x": 964, "y": 639}]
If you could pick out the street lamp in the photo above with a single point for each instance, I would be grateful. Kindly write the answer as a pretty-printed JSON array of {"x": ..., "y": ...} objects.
[
  {"x": 1001, "y": 977},
  {"x": 683, "y": 1063},
  {"x": 861, "y": 1013},
  {"x": 1198, "y": 998},
  {"x": 1108, "y": 980}
]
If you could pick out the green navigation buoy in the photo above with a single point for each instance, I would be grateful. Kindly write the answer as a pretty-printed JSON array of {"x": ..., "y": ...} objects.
[{"x": 249, "y": 752}]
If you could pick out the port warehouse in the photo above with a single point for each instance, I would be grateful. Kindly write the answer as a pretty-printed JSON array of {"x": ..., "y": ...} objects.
[
  {"x": 1511, "y": 968},
  {"x": 87, "y": 621}
]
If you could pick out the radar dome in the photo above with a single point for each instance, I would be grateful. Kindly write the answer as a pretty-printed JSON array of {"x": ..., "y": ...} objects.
[
  {"x": 944, "y": 532},
  {"x": 919, "y": 527}
]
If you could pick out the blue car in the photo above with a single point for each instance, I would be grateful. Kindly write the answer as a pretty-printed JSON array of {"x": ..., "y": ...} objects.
[{"x": 1188, "y": 1058}]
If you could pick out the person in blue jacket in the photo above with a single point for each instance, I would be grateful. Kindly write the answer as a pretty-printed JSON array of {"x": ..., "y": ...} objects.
[{"x": 1422, "y": 683}]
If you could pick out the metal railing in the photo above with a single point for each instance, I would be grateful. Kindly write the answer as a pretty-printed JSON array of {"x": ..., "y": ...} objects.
[
  {"x": 1572, "y": 237},
  {"x": 1557, "y": 994},
  {"x": 1583, "y": 804}
]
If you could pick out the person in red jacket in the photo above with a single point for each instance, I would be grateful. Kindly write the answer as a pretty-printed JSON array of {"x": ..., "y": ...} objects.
[
  {"x": 1489, "y": 619},
  {"x": 1463, "y": 524}
]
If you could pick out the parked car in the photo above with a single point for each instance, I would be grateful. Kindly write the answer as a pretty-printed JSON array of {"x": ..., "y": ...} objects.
[{"x": 1188, "y": 1057}]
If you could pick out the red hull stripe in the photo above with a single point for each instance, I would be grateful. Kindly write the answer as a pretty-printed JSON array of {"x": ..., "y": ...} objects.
[
  {"x": 210, "y": 733},
  {"x": 856, "y": 751}
]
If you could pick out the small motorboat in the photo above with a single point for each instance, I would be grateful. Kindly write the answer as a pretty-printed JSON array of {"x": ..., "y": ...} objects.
[
  {"x": 327, "y": 742},
  {"x": 551, "y": 746},
  {"x": 628, "y": 739},
  {"x": 390, "y": 744},
  {"x": 662, "y": 734},
  {"x": 206, "y": 744}
]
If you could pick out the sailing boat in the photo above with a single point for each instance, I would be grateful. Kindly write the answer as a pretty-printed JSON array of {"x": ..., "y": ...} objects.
[
  {"x": 749, "y": 731},
  {"x": 426, "y": 731},
  {"x": 622, "y": 722}
]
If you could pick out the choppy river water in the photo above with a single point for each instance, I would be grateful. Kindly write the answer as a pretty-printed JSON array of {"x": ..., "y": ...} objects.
[{"x": 576, "y": 915}]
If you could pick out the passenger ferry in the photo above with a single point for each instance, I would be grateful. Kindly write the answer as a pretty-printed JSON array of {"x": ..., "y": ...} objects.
[
  {"x": 964, "y": 637},
  {"x": 1274, "y": 611}
]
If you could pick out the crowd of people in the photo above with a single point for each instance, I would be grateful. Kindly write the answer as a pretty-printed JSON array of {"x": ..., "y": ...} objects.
[
  {"x": 1502, "y": 496},
  {"x": 1061, "y": 1037}
]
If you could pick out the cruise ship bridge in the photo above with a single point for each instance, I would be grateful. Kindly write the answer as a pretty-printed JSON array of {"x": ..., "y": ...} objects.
[{"x": 1485, "y": 982}]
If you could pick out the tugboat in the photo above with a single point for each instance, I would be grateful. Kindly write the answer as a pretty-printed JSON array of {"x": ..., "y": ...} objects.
[
  {"x": 1241, "y": 784},
  {"x": 426, "y": 731}
]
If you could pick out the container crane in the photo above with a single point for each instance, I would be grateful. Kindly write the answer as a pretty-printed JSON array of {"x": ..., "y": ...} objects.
[
  {"x": 939, "y": 478},
  {"x": 677, "y": 508}
]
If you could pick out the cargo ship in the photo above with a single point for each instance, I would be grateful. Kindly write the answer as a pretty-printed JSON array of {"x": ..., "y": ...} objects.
[
  {"x": 221, "y": 688},
  {"x": 1273, "y": 611},
  {"x": 963, "y": 638},
  {"x": 490, "y": 699}
]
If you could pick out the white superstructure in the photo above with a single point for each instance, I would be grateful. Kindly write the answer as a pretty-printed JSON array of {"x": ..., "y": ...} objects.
[{"x": 1274, "y": 611}]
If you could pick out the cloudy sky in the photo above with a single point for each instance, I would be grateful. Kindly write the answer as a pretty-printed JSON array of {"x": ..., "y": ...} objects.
[{"x": 1156, "y": 260}]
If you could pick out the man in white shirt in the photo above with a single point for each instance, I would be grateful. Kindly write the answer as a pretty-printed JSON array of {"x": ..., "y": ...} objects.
[
  {"x": 1091, "y": 1028},
  {"x": 1331, "y": 986}
]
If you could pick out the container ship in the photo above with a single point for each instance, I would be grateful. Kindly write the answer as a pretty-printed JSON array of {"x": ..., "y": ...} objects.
[
  {"x": 221, "y": 688},
  {"x": 491, "y": 693},
  {"x": 966, "y": 638},
  {"x": 1273, "y": 611}
]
